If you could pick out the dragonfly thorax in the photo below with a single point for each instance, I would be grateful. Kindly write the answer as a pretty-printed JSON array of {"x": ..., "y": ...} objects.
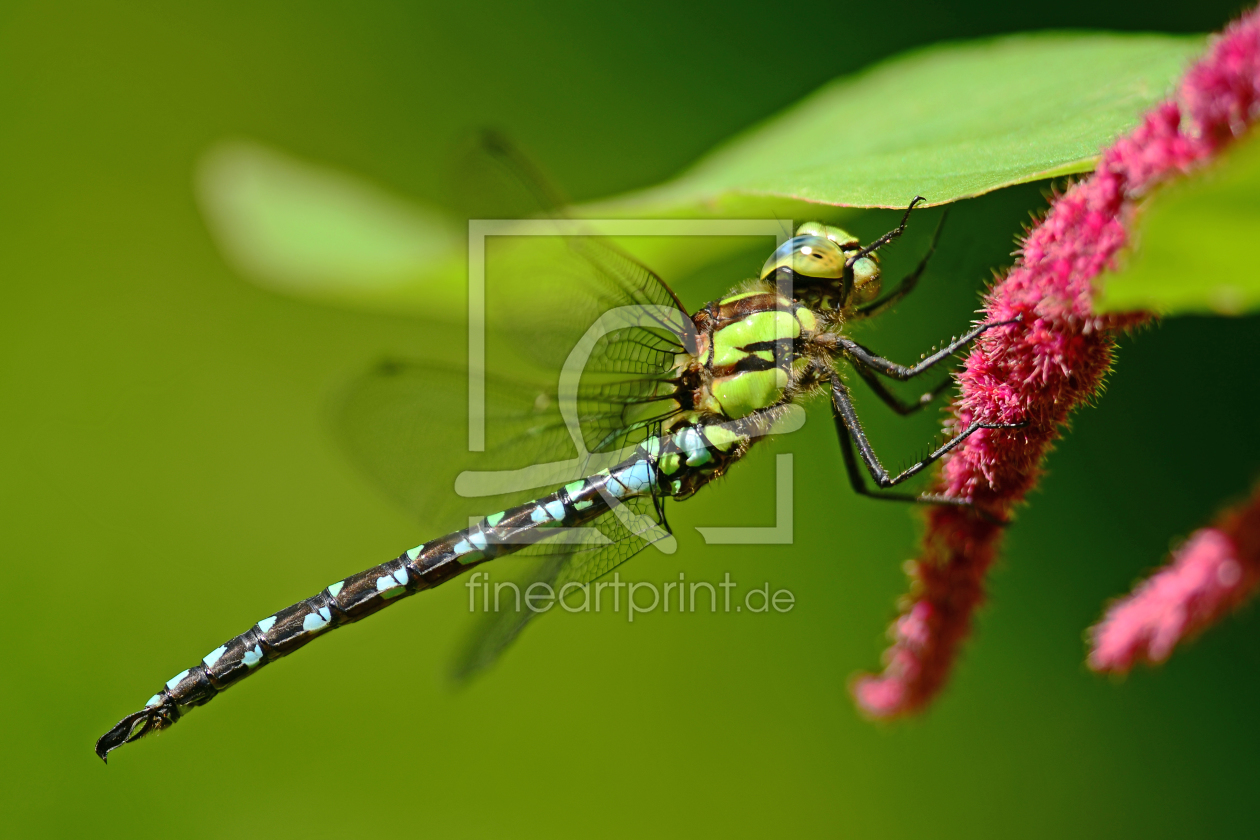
[{"x": 748, "y": 353}]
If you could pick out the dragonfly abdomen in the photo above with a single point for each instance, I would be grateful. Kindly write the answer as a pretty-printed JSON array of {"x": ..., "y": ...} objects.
[{"x": 673, "y": 465}]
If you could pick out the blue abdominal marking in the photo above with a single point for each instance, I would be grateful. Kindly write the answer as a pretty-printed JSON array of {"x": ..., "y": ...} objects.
[
  {"x": 692, "y": 445},
  {"x": 639, "y": 478},
  {"x": 317, "y": 621}
]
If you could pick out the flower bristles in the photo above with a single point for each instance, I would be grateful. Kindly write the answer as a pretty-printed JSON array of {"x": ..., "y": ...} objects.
[{"x": 1042, "y": 369}]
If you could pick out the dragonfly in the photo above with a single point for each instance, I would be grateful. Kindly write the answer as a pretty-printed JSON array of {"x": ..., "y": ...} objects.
[{"x": 658, "y": 401}]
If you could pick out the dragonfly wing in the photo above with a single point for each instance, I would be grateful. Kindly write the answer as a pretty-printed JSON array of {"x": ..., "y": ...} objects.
[
  {"x": 625, "y": 531},
  {"x": 500, "y": 168},
  {"x": 610, "y": 335},
  {"x": 496, "y": 630},
  {"x": 405, "y": 424},
  {"x": 591, "y": 274}
]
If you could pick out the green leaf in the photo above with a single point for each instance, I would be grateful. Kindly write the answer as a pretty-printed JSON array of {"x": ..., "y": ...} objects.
[
  {"x": 312, "y": 231},
  {"x": 946, "y": 122},
  {"x": 1195, "y": 244}
]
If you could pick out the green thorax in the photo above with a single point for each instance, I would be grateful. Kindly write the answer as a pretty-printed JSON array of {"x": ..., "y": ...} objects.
[
  {"x": 752, "y": 346},
  {"x": 748, "y": 350}
]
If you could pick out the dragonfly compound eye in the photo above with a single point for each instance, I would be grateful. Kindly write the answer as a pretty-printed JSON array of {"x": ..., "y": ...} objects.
[{"x": 808, "y": 257}]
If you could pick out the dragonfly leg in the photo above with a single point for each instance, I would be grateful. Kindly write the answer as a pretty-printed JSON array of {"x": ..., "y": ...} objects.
[
  {"x": 907, "y": 284},
  {"x": 880, "y": 365},
  {"x": 895, "y": 402},
  {"x": 887, "y": 237},
  {"x": 854, "y": 470},
  {"x": 851, "y": 434}
]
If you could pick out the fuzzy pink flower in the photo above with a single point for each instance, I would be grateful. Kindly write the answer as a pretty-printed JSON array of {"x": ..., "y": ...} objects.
[
  {"x": 1055, "y": 360},
  {"x": 1211, "y": 575}
]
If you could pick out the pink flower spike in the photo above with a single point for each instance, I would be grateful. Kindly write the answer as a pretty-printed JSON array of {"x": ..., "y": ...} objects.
[
  {"x": 948, "y": 586},
  {"x": 1041, "y": 369},
  {"x": 1212, "y": 574}
]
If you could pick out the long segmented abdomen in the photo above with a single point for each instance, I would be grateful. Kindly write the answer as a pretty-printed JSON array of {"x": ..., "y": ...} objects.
[{"x": 674, "y": 465}]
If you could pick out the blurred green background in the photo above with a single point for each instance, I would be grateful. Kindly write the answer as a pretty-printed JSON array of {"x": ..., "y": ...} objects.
[{"x": 169, "y": 475}]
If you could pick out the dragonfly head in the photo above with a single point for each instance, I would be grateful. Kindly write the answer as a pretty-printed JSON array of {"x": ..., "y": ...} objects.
[{"x": 826, "y": 268}]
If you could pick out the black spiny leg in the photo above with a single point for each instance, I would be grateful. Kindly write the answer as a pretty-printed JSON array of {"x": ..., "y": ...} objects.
[
  {"x": 887, "y": 237},
  {"x": 895, "y": 402},
  {"x": 907, "y": 284},
  {"x": 854, "y": 471},
  {"x": 879, "y": 364},
  {"x": 850, "y": 430}
]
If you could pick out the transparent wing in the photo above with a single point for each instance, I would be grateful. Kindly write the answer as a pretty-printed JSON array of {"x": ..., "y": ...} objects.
[
  {"x": 492, "y": 165},
  {"x": 405, "y": 424},
  {"x": 583, "y": 348},
  {"x": 549, "y": 278},
  {"x": 628, "y": 531},
  {"x": 495, "y": 631}
]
